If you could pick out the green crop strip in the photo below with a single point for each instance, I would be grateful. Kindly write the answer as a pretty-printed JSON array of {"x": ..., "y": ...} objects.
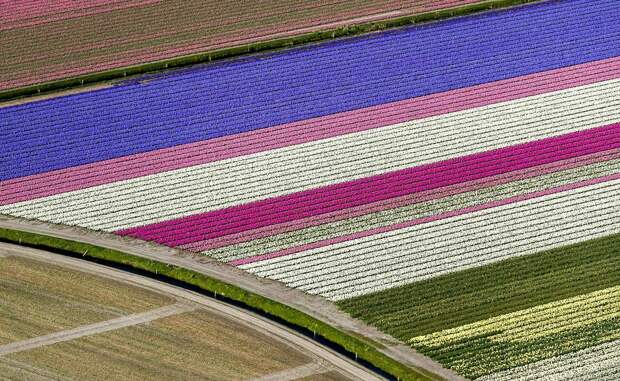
[
  {"x": 474, "y": 357},
  {"x": 293, "y": 317},
  {"x": 530, "y": 335},
  {"x": 263, "y": 46},
  {"x": 467, "y": 296},
  {"x": 420, "y": 311}
]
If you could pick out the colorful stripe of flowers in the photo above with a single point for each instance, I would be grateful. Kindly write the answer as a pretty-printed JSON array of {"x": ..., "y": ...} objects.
[{"x": 365, "y": 169}]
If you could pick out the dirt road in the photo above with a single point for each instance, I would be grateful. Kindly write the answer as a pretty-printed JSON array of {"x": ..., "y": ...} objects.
[
  {"x": 92, "y": 329},
  {"x": 294, "y": 373}
]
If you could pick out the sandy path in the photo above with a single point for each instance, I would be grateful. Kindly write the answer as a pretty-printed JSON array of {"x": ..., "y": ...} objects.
[
  {"x": 92, "y": 329},
  {"x": 294, "y": 373},
  {"x": 56, "y": 94}
]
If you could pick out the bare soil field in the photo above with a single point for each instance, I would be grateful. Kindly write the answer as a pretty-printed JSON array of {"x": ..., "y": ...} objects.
[
  {"x": 38, "y": 46},
  {"x": 194, "y": 345},
  {"x": 329, "y": 376},
  {"x": 37, "y": 299}
]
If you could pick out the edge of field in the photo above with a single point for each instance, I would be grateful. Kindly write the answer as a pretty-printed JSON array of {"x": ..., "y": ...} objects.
[
  {"x": 349, "y": 345},
  {"x": 262, "y": 46}
]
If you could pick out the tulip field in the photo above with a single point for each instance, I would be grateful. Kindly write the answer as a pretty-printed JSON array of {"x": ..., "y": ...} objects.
[
  {"x": 516, "y": 314},
  {"x": 455, "y": 184},
  {"x": 46, "y": 40}
]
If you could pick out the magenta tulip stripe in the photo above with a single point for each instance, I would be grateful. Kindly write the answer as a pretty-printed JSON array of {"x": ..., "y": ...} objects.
[{"x": 367, "y": 167}]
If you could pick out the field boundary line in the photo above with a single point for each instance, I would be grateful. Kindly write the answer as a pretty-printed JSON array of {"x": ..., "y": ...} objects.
[
  {"x": 96, "y": 328},
  {"x": 296, "y": 373},
  {"x": 243, "y": 316},
  {"x": 32, "y": 372}
]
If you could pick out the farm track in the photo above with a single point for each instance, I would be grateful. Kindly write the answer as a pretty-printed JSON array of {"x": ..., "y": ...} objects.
[
  {"x": 360, "y": 169},
  {"x": 295, "y": 373},
  {"x": 92, "y": 329}
]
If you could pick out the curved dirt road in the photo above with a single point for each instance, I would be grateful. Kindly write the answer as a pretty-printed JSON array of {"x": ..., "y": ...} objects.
[
  {"x": 263, "y": 325},
  {"x": 312, "y": 305}
]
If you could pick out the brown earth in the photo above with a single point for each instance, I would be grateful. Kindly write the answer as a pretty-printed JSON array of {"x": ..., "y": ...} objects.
[
  {"x": 84, "y": 43},
  {"x": 195, "y": 345},
  {"x": 197, "y": 337},
  {"x": 37, "y": 298},
  {"x": 329, "y": 376}
]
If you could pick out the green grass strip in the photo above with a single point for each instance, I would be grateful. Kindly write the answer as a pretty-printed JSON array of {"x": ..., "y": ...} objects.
[
  {"x": 480, "y": 293},
  {"x": 362, "y": 348},
  {"x": 263, "y": 46}
]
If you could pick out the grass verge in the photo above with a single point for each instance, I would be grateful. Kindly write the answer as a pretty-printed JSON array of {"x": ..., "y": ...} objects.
[
  {"x": 324, "y": 333},
  {"x": 262, "y": 46}
]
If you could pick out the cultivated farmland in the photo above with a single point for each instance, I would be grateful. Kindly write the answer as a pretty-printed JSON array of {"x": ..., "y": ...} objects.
[
  {"x": 455, "y": 184},
  {"x": 473, "y": 323},
  {"x": 323, "y": 377},
  {"x": 61, "y": 319},
  {"x": 38, "y": 299},
  {"x": 42, "y": 41},
  {"x": 195, "y": 345}
]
